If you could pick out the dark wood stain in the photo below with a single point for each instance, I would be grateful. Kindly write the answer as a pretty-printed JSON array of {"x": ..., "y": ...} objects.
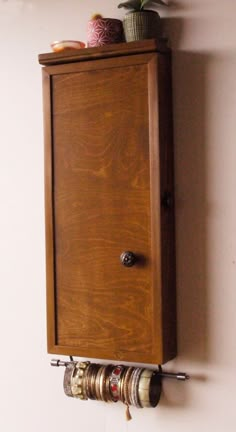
[
  {"x": 108, "y": 151},
  {"x": 106, "y": 51}
]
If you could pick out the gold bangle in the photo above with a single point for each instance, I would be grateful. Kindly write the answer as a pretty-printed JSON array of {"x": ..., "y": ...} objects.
[
  {"x": 126, "y": 385},
  {"x": 130, "y": 387},
  {"x": 88, "y": 381},
  {"x": 84, "y": 381},
  {"x": 74, "y": 381},
  {"x": 109, "y": 369},
  {"x": 97, "y": 383},
  {"x": 67, "y": 379},
  {"x": 101, "y": 383},
  {"x": 83, "y": 366},
  {"x": 105, "y": 384},
  {"x": 121, "y": 385},
  {"x": 93, "y": 380},
  {"x": 77, "y": 380}
]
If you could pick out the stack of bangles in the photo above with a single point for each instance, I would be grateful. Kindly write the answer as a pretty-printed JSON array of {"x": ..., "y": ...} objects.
[{"x": 134, "y": 386}]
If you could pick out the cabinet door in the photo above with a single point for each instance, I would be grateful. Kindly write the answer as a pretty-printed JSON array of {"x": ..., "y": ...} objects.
[{"x": 103, "y": 198}]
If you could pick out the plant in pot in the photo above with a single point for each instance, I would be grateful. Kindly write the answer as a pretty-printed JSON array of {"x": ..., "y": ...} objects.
[{"x": 141, "y": 23}]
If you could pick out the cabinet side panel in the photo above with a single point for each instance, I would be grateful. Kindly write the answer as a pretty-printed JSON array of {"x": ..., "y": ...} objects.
[
  {"x": 154, "y": 144},
  {"x": 49, "y": 224},
  {"x": 162, "y": 215},
  {"x": 167, "y": 207}
]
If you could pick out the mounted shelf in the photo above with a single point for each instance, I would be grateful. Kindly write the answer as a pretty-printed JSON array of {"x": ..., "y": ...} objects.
[{"x": 110, "y": 203}]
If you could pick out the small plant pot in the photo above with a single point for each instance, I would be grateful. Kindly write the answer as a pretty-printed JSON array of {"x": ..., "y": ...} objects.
[
  {"x": 142, "y": 25},
  {"x": 104, "y": 31}
]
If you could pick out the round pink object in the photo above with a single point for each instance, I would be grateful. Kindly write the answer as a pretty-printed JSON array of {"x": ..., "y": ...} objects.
[{"x": 104, "y": 31}]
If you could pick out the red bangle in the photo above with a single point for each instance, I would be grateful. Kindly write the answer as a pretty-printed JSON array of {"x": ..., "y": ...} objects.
[{"x": 114, "y": 382}]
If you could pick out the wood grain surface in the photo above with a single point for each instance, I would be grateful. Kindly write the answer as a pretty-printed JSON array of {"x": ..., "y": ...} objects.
[
  {"x": 106, "y": 51},
  {"x": 104, "y": 150}
]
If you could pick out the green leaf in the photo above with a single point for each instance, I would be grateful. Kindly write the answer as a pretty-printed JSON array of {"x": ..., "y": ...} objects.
[
  {"x": 150, "y": 2},
  {"x": 143, "y": 2},
  {"x": 131, "y": 4}
]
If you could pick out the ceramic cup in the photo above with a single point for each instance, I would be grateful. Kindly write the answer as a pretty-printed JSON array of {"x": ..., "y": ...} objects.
[{"x": 104, "y": 31}]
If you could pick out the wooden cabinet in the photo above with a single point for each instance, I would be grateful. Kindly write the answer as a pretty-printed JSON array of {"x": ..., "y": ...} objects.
[{"x": 109, "y": 190}]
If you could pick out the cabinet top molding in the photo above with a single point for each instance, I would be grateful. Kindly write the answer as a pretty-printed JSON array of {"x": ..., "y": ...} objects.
[{"x": 106, "y": 51}]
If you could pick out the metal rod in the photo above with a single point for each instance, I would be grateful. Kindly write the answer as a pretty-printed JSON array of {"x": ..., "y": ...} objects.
[
  {"x": 179, "y": 376},
  {"x": 57, "y": 363}
]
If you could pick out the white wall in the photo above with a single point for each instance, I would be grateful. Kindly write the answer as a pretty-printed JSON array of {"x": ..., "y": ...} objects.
[{"x": 203, "y": 37}]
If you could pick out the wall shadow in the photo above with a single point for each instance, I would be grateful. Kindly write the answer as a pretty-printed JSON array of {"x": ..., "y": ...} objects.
[
  {"x": 189, "y": 113},
  {"x": 189, "y": 104},
  {"x": 189, "y": 82}
]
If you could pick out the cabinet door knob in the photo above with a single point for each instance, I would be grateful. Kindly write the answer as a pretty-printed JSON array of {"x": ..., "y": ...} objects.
[
  {"x": 128, "y": 259},
  {"x": 167, "y": 200}
]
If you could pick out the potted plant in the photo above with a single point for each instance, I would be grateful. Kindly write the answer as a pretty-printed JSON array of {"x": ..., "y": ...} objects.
[{"x": 141, "y": 23}]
